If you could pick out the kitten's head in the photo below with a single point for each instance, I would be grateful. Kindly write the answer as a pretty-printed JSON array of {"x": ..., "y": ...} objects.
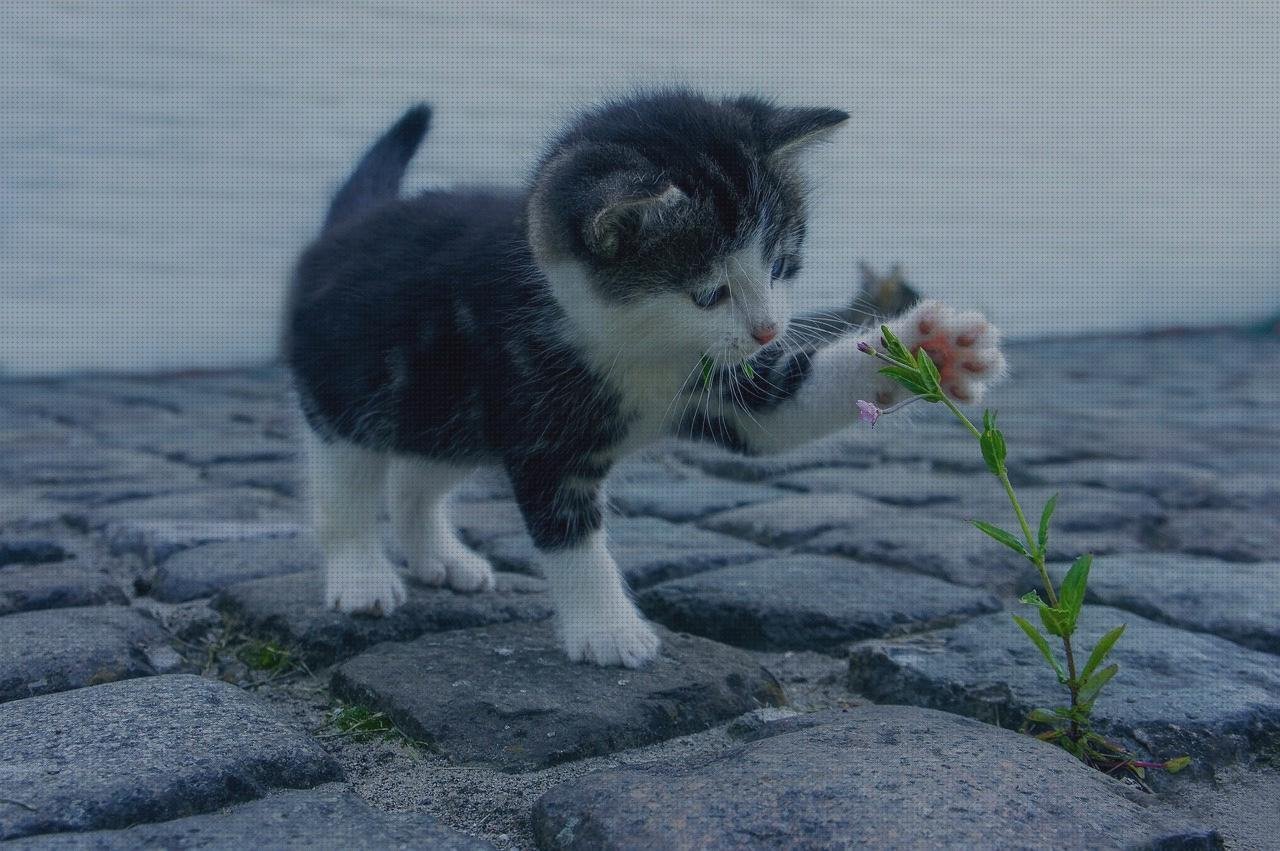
[{"x": 675, "y": 222}]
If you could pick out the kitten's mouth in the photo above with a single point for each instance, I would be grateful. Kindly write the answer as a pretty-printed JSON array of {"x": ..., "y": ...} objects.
[{"x": 711, "y": 366}]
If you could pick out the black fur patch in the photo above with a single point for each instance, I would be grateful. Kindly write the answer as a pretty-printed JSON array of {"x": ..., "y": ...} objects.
[{"x": 424, "y": 326}]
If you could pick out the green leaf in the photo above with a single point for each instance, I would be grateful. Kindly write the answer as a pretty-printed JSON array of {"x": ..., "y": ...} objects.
[
  {"x": 896, "y": 350},
  {"x": 1044, "y": 522},
  {"x": 1073, "y": 587},
  {"x": 1173, "y": 766},
  {"x": 749, "y": 369},
  {"x": 1094, "y": 684},
  {"x": 994, "y": 450},
  {"x": 990, "y": 452},
  {"x": 908, "y": 378},
  {"x": 1002, "y": 450},
  {"x": 929, "y": 372},
  {"x": 1053, "y": 619},
  {"x": 1100, "y": 651},
  {"x": 1002, "y": 536},
  {"x": 707, "y": 366},
  {"x": 1042, "y": 716},
  {"x": 1040, "y": 642}
]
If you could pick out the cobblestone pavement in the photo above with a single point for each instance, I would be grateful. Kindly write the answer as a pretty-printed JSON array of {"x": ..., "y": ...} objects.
[{"x": 839, "y": 663}]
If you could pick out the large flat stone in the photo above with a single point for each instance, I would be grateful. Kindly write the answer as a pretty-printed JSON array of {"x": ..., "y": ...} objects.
[
  {"x": 156, "y": 539},
  {"x": 91, "y": 474},
  {"x": 1079, "y": 509},
  {"x": 648, "y": 550},
  {"x": 1228, "y": 534},
  {"x": 861, "y": 529},
  {"x": 848, "y": 449},
  {"x": 935, "y": 546},
  {"x": 206, "y": 569},
  {"x": 59, "y": 649},
  {"x": 906, "y": 485},
  {"x": 1175, "y": 484},
  {"x": 26, "y": 588},
  {"x": 282, "y": 477},
  {"x": 876, "y": 777},
  {"x": 289, "y": 609},
  {"x": 680, "y": 499},
  {"x": 142, "y": 751},
  {"x": 30, "y": 551},
  {"x": 327, "y": 816},
  {"x": 1240, "y": 602},
  {"x": 969, "y": 495},
  {"x": 1177, "y": 692},
  {"x": 809, "y": 603},
  {"x": 795, "y": 519},
  {"x": 508, "y": 696}
]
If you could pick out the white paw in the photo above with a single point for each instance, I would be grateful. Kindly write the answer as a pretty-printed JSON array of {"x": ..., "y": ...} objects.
[
  {"x": 469, "y": 572},
  {"x": 430, "y": 570},
  {"x": 457, "y": 566},
  {"x": 609, "y": 637},
  {"x": 363, "y": 583},
  {"x": 963, "y": 344}
]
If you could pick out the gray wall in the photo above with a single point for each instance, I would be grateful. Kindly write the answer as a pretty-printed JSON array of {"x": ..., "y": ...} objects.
[{"x": 1067, "y": 166}]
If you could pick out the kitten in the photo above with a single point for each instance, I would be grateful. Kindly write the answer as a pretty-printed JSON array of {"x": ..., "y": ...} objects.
[{"x": 638, "y": 289}]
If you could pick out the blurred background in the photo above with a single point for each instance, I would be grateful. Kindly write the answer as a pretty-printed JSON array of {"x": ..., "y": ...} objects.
[{"x": 1069, "y": 167}]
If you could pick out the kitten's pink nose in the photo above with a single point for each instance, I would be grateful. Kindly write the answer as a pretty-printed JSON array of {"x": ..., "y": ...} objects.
[{"x": 764, "y": 333}]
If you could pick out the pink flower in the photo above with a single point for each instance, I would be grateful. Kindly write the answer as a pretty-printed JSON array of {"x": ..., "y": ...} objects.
[{"x": 867, "y": 412}]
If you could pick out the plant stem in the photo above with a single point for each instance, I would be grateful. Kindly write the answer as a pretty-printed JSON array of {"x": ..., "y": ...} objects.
[
  {"x": 1037, "y": 558},
  {"x": 973, "y": 429}
]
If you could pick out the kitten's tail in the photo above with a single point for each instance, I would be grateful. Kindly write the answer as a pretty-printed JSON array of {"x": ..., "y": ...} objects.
[{"x": 377, "y": 177}]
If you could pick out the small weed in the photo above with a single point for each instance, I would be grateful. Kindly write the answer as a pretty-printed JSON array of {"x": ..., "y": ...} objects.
[
  {"x": 362, "y": 724},
  {"x": 265, "y": 656},
  {"x": 1070, "y": 726}
]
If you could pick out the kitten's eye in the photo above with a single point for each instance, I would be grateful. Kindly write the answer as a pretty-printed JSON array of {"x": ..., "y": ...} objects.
[
  {"x": 710, "y": 298},
  {"x": 779, "y": 268}
]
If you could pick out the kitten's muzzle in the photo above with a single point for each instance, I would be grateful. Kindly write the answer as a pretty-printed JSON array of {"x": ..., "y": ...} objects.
[{"x": 763, "y": 334}]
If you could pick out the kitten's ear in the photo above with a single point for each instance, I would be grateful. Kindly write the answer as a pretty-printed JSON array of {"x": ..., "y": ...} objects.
[
  {"x": 627, "y": 210},
  {"x": 790, "y": 129}
]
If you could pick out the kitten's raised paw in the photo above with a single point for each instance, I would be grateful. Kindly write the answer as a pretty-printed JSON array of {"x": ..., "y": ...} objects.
[
  {"x": 602, "y": 638},
  {"x": 962, "y": 344},
  {"x": 367, "y": 585}
]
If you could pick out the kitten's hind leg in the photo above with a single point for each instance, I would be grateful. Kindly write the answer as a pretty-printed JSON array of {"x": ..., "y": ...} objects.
[
  {"x": 346, "y": 492},
  {"x": 419, "y": 504}
]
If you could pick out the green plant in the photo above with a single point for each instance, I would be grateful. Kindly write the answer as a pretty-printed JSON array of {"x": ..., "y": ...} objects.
[
  {"x": 1069, "y": 726},
  {"x": 265, "y": 656},
  {"x": 362, "y": 724}
]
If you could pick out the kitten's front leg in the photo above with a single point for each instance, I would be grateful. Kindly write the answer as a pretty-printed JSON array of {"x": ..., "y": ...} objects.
[
  {"x": 809, "y": 394},
  {"x": 595, "y": 617}
]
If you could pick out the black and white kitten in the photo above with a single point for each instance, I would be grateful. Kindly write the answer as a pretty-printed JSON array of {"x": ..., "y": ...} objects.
[{"x": 554, "y": 330}]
